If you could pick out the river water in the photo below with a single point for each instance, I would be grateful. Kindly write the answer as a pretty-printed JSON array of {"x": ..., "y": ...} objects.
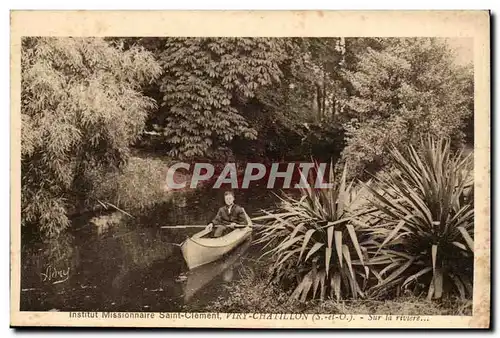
[{"x": 134, "y": 265}]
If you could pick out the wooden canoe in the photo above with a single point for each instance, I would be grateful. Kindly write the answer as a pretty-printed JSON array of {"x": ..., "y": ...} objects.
[{"x": 198, "y": 250}]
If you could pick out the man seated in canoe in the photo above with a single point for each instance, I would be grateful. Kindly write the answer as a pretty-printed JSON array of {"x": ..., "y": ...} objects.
[{"x": 228, "y": 216}]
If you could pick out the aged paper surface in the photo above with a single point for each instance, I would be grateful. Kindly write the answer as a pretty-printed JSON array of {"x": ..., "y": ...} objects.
[{"x": 473, "y": 25}]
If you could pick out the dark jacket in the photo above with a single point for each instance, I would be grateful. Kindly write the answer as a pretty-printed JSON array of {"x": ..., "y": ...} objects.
[{"x": 224, "y": 217}]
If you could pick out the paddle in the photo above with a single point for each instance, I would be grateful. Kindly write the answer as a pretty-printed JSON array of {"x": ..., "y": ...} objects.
[{"x": 182, "y": 226}]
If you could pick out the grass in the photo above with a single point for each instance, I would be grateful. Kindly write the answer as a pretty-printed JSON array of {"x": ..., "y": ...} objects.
[
  {"x": 139, "y": 186},
  {"x": 428, "y": 238},
  {"x": 251, "y": 294}
]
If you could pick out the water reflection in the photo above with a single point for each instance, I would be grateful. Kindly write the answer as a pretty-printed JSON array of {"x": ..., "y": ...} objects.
[
  {"x": 199, "y": 277},
  {"x": 133, "y": 265}
]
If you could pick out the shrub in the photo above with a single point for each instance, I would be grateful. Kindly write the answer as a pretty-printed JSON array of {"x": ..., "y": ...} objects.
[
  {"x": 410, "y": 86},
  {"x": 429, "y": 212},
  {"x": 81, "y": 108}
]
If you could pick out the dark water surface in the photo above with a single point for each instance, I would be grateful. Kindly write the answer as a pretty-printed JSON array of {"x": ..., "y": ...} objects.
[{"x": 134, "y": 265}]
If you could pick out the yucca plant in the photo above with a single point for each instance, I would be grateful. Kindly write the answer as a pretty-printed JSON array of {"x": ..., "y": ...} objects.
[
  {"x": 315, "y": 242},
  {"x": 427, "y": 206}
]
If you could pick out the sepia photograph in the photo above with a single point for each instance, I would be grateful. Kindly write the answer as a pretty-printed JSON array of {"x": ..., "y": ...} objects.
[{"x": 256, "y": 180}]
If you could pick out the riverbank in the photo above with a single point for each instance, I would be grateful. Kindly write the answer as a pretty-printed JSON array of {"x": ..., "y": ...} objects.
[{"x": 251, "y": 294}]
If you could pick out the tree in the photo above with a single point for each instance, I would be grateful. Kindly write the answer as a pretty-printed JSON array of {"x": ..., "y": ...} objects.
[
  {"x": 260, "y": 97},
  {"x": 402, "y": 89},
  {"x": 81, "y": 108},
  {"x": 204, "y": 80}
]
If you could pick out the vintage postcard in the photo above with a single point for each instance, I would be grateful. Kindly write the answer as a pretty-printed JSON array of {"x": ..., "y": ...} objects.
[{"x": 250, "y": 169}]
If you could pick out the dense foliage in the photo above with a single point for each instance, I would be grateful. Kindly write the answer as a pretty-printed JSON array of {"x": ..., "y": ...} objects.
[
  {"x": 138, "y": 187},
  {"x": 86, "y": 102},
  {"x": 396, "y": 110},
  {"x": 81, "y": 108},
  {"x": 260, "y": 97},
  {"x": 416, "y": 234}
]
